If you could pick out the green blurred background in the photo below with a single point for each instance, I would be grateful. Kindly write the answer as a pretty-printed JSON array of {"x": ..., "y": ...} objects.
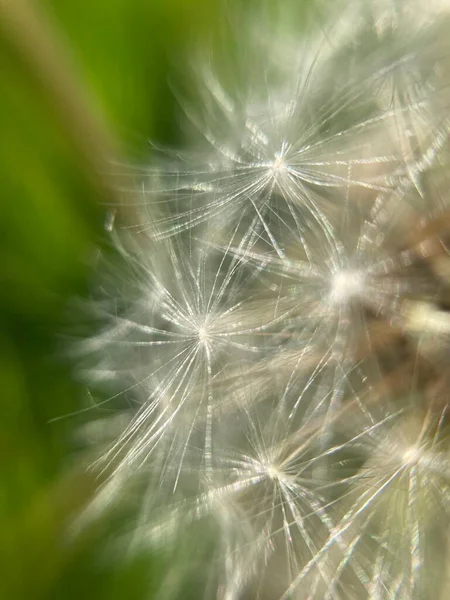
[{"x": 123, "y": 54}]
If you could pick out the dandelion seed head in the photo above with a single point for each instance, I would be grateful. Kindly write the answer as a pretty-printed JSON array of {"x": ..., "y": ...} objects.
[
  {"x": 273, "y": 469},
  {"x": 412, "y": 456},
  {"x": 203, "y": 333},
  {"x": 278, "y": 166},
  {"x": 273, "y": 472},
  {"x": 256, "y": 348},
  {"x": 346, "y": 285}
]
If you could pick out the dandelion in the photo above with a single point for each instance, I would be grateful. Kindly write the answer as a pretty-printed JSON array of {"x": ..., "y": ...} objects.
[{"x": 277, "y": 332}]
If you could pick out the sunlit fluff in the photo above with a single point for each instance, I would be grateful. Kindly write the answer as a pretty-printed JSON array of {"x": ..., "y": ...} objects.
[
  {"x": 391, "y": 523},
  {"x": 276, "y": 337}
]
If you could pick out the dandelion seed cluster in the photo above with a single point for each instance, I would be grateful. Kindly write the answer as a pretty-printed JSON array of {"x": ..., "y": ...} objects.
[{"x": 277, "y": 339}]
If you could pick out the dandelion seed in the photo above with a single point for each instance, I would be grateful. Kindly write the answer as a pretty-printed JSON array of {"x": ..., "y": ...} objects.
[{"x": 392, "y": 517}]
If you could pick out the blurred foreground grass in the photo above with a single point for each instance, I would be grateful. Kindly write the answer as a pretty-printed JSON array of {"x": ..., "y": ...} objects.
[{"x": 51, "y": 218}]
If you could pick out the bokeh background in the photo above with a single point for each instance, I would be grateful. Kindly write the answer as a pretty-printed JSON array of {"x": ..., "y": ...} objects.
[{"x": 107, "y": 65}]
